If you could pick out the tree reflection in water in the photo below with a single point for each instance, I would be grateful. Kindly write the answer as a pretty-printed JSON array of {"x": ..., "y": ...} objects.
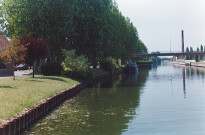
[{"x": 106, "y": 108}]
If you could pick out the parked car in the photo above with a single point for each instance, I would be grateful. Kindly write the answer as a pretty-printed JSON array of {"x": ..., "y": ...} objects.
[
  {"x": 15, "y": 68},
  {"x": 23, "y": 67}
]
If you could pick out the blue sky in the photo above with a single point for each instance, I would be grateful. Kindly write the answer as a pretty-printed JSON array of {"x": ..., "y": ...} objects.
[{"x": 158, "y": 21}]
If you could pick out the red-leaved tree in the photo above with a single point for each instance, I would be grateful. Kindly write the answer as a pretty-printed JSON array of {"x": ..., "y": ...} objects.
[
  {"x": 36, "y": 49},
  {"x": 14, "y": 51}
]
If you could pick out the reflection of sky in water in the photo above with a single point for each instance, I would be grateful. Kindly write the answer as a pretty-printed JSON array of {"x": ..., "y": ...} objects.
[{"x": 166, "y": 108}]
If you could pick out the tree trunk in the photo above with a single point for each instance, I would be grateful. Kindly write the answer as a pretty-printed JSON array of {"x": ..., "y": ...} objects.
[
  {"x": 13, "y": 74},
  {"x": 118, "y": 61},
  {"x": 36, "y": 63},
  {"x": 13, "y": 71},
  {"x": 33, "y": 68},
  {"x": 51, "y": 55},
  {"x": 122, "y": 61},
  {"x": 94, "y": 61}
]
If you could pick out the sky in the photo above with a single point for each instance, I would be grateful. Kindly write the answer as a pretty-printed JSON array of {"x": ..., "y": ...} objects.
[{"x": 160, "y": 22}]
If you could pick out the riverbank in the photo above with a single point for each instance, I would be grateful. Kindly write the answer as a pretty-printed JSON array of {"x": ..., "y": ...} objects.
[
  {"x": 144, "y": 64},
  {"x": 25, "y": 92},
  {"x": 31, "y": 113},
  {"x": 195, "y": 64}
]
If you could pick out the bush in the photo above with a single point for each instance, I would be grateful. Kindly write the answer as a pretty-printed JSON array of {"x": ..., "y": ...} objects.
[
  {"x": 49, "y": 69},
  {"x": 74, "y": 63},
  {"x": 109, "y": 64},
  {"x": 74, "y": 66},
  {"x": 85, "y": 76}
]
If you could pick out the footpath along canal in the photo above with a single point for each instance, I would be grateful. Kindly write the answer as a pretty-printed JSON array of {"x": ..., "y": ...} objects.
[{"x": 165, "y": 100}]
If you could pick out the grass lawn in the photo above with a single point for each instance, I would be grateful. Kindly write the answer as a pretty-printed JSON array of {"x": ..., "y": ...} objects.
[{"x": 25, "y": 92}]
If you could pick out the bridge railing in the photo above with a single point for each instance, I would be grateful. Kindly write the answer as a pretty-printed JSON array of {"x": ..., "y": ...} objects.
[{"x": 167, "y": 52}]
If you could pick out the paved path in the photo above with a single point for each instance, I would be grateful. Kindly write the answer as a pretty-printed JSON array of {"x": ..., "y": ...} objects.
[
  {"x": 20, "y": 73},
  {"x": 23, "y": 73}
]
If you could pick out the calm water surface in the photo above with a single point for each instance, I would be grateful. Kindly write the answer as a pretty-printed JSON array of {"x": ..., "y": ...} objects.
[{"x": 166, "y": 100}]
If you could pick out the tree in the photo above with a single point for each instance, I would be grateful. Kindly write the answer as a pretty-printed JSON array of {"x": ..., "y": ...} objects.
[
  {"x": 197, "y": 49},
  {"x": 14, "y": 52},
  {"x": 89, "y": 24},
  {"x": 50, "y": 20},
  {"x": 192, "y": 57},
  {"x": 204, "y": 48},
  {"x": 94, "y": 28},
  {"x": 187, "y": 56},
  {"x": 201, "y": 50},
  {"x": 36, "y": 49}
]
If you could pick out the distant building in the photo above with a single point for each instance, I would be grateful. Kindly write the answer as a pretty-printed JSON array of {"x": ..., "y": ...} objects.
[{"x": 5, "y": 70}]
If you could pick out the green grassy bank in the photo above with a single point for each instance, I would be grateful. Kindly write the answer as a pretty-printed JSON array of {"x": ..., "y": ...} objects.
[{"x": 24, "y": 92}]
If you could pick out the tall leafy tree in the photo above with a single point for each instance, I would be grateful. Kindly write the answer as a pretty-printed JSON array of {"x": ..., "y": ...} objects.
[
  {"x": 201, "y": 50},
  {"x": 204, "y": 48},
  {"x": 197, "y": 49},
  {"x": 187, "y": 56},
  {"x": 89, "y": 23},
  {"x": 191, "y": 57},
  {"x": 95, "y": 28},
  {"x": 48, "y": 19}
]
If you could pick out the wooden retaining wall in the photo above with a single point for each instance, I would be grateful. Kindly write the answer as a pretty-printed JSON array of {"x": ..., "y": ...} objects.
[{"x": 16, "y": 125}]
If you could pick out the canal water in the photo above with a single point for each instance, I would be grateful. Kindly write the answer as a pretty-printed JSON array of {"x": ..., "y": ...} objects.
[{"x": 165, "y": 100}]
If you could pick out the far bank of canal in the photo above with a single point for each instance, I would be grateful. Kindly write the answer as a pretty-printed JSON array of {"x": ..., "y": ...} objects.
[{"x": 166, "y": 100}]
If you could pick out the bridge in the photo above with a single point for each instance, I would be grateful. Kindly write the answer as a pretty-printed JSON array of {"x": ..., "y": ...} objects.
[
  {"x": 169, "y": 54},
  {"x": 178, "y": 54}
]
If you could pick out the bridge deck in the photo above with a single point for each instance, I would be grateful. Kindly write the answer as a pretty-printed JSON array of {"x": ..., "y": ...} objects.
[{"x": 169, "y": 54}]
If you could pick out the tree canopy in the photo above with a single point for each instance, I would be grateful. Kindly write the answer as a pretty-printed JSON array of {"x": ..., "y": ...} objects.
[{"x": 94, "y": 28}]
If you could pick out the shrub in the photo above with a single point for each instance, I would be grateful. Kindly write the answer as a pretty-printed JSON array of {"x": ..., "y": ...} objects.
[
  {"x": 49, "y": 69},
  {"x": 74, "y": 63},
  {"x": 75, "y": 66},
  {"x": 109, "y": 64},
  {"x": 87, "y": 76}
]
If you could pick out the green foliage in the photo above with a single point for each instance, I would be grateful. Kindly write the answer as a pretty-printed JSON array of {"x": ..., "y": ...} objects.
[
  {"x": 94, "y": 28},
  {"x": 95, "y": 72},
  {"x": 197, "y": 49},
  {"x": 50, "y": 69},
  {"x": 74, "y": 63},
  {"x": 201, "y": 48},
  {"x": 204, "y": 48},
  {"x": 48, "y": 19},
  {"x": 109, "y": 64},
  {"x": 187, "y": 57},
  {"x": 144, "y": 61},
  {"x": 191, "y": 57}
]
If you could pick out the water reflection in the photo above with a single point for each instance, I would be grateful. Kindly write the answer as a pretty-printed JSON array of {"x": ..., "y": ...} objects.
[
  {"x": 106, "y": 108},
  {"x": 148, "y": 103},
  {"x": 184, "y": 82},
  {"x": 190, "y": 73},
  {"x": 183, "y": 77}
]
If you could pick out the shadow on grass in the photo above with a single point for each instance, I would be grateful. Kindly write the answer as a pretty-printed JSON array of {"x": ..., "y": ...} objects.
[
  {"x": 51, "y": 78},
  {"x": 34, "y": 81},
  {"x": 8, "y": 87}
]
